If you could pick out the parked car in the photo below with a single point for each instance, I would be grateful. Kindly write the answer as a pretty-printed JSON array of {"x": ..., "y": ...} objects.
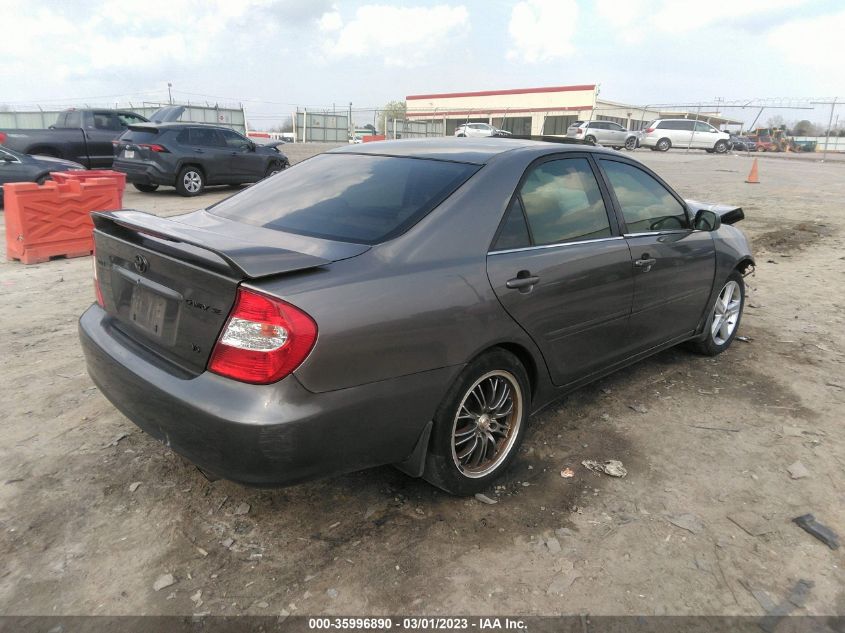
[
  {"x": 191, "y": 156},
  {"x": 663, "y": 134},
  {"x": 479, "y": 130},
  {"x": 407, "y": 303},
  {"x": 83, "y": 136},
  {"x": 742, "y": 144},
  {"x": 603, "y": 133},
  {"x": 17, "y": 167}
]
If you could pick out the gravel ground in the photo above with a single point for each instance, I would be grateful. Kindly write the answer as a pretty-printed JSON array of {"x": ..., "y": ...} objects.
[{"x": 93, "y": 512}]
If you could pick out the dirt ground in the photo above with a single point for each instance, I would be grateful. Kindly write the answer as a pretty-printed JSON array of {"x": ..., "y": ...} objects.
[{"x": 700, "y": 525}]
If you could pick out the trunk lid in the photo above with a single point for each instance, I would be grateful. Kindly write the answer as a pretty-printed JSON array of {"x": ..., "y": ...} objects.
[{"x": 169, "y": 284}]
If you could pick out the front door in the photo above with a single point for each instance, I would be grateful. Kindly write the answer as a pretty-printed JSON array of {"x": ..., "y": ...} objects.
[
  {"x": 673, "y": 265},
  {"x": 562, "y": 270}
]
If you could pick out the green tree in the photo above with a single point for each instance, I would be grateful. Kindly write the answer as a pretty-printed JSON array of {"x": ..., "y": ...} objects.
[
  {"x": 392, "y": 110},
  {"x": 804, "y": 128}
]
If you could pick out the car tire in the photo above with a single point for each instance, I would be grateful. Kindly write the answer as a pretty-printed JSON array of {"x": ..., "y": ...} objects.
[
  {"x": 631, "y": 143},
  {"x": 725, "y": 316},
  {"x": 590, "y": 139},
  {"x": 462, "y": 135},
  {"x": 492, "y": 388},
  {"x": 663, "y": 145},
  {"x": 720, "y": 147},
  {"x": 709, "y": 151},
  {"x": 144, "y": 188},
  {"x": 190, "y": 181}
]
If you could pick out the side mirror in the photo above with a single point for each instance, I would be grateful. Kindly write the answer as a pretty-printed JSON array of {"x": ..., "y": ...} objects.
[{"x": 707, "y": 220}]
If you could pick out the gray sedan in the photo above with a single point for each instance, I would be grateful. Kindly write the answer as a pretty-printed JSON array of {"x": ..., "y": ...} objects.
[{"x": 404, "y": 302}]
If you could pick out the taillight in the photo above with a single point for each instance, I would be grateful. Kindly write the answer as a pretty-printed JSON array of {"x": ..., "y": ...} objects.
[
  {"x": 263, "y": 341},
  {"x": 154, "y": 147},
  {"x": 649, "y": 130},
  {"x": 580, "y": 131},
  {"x": 2, "y": 137},
  {"x": 98, "y": 293}
]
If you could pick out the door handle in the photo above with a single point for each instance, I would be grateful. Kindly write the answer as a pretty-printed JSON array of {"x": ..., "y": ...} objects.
[
  {"x": 524, "y": 281},
  {"x": 199, "y": 151},
  {"x": 645, "y": 262}
]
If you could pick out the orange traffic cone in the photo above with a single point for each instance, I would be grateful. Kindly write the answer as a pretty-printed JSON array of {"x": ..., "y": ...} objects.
[{"x": 752, "y": 175}]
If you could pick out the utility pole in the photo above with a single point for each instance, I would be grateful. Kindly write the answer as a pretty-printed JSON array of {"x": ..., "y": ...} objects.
[
  {"x": 832, "y": 105},
  {"x": 169, "y": 96},
  {"x": 351, "y": 130}
]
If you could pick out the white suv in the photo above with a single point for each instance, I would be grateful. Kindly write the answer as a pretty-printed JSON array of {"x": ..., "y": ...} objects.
[
  {"x": 662, "y": 134},
  {"x": 479, "y": 129}
]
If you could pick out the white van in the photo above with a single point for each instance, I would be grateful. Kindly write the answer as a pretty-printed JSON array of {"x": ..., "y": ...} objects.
[{"x": 662, "y": 134}]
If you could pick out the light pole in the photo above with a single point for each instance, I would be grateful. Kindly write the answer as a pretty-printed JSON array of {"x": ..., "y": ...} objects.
[{"x": 169, "y": 96}]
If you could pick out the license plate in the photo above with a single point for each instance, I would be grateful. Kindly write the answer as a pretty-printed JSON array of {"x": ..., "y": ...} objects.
[
  {"x": 147, "y": 310},
  {"x": 129, "y": 153}
]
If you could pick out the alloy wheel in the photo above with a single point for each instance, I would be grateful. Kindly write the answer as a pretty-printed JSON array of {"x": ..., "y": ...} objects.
[
  {"x": 726, "y": 313},
  {"x": 487, "y": 423},
  {"x": 192, "y": 181}
]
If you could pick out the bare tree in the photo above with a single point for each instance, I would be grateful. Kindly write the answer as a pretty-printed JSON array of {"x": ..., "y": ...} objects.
[{"x": 392, "y": 110}]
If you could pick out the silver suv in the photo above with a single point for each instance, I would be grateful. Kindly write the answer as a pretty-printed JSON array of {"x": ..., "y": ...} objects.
[
  {"x": 603, "y": 133},
  {"x": 661, "y": 134}
]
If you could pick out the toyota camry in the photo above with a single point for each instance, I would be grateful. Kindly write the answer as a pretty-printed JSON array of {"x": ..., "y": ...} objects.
[{"x": 403, "y": 302}]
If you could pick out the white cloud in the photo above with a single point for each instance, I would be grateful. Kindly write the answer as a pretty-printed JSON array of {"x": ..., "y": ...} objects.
[
  {"x": 400, "y": 36},
  {"x": 542, "y": 30},
  {"x": 813, "y": 42},
  {"x": 330, "y": 21}
]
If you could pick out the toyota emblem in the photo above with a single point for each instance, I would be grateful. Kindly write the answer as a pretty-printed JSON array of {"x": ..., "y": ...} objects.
[{"x": 141, "y": 263}]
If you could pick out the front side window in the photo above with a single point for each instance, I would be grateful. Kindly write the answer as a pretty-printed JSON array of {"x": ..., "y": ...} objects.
[
  {"x": 234, "y": 140},
  {"x": 348, "y": 197},
  {"x": 563, "y": 202},
  {"x": 646, "y": 204},
  {"x": 703, "y": 127}
]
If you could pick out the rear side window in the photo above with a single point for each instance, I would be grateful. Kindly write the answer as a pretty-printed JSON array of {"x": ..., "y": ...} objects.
[
  {"x": 348, "y": 197},
  {"x": 646, "y": 204},
  {"x": 514, "y": 232},
  {"x": 563, "y": 202}
]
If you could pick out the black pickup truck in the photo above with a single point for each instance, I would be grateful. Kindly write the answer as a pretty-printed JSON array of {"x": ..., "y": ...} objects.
[{"x": 82, "y": 135}]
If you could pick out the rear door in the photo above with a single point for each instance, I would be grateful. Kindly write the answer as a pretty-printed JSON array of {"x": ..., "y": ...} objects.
[
  {"x": 209, "y": 150},
  {"x": 562, "y": 270},
  {"x": 673, "y": 265},
  {"x": 101, "y": 128}
]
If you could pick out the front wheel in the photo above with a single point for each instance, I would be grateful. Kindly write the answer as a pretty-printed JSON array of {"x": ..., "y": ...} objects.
[
  {"x": 145, "y": 188},
  {"x": 720, "y": 147},
  {"x": 479, "y": 425},
  {"x": 630, "y": 143},
  {"x": 723, "y": 323},
  {"x": 273, "y": 169},
  {"x": 190, "y": 181}
]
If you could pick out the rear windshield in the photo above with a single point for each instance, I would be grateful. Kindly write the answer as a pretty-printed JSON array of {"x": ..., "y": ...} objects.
[
  {"x": 138, "y": 137},
  {"x": 348, "y": 197}
]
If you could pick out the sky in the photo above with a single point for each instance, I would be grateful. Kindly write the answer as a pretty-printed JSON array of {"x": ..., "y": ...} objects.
[{"x": 275, "y": 55}]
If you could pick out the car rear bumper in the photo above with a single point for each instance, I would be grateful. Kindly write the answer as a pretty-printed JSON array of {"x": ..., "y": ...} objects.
[
  {"x": 261, "y": 435},
  {"x": 144, "y": 173}
]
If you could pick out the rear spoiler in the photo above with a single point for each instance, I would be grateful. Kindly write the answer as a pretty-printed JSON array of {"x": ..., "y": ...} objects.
[
  {"x": 143, "y": 127},
  {"x": 729, "y": 214},
  {"x": 246, "y": 259}
]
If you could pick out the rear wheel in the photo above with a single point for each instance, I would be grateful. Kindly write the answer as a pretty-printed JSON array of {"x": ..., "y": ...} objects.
[
  {"x": 631, "y": 143},
  {"x": 589, "y": 139},
  {"x": 145, "y": 188},
  {"x": 663, "y": 145},
  {"x": 190, "y": 181},
  {"x": 479, "y": 425},
  {"x": 723, "y": 323},
  {"x": 461, "y": 135}
]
